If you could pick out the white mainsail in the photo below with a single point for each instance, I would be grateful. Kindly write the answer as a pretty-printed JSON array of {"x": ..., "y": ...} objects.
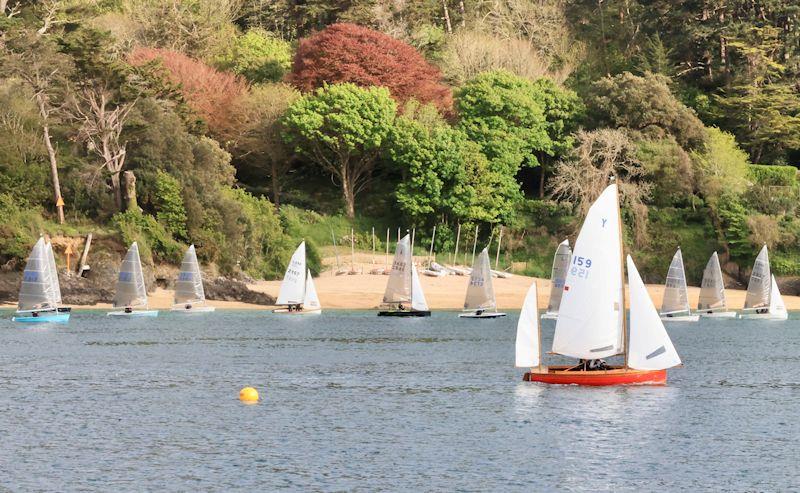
[
  {"x": 51, "y": 259},
  {"x": 559, "y": 273},
  {"x": 650, "y": 346},
  {"x": 189, "y": 287},
  {"x": 712, "y": 290},
  {"x": 131, "y": 291},
  {"x": 398, "y": 289},
  {"x": 759, "y": 286},
  {"x": 527, "y": 344},
  {"x": 37, "y": 291},
  {"x": 776, "y": 305},
  {"x": 310, "y": 300},
  {"x": 480, "y": 292},
  {"x": 676, "y": 294},
  {"x": 293, "y": 286},
  {"x": 590, "y": 318},
  {"x": 418, "y": 301}
]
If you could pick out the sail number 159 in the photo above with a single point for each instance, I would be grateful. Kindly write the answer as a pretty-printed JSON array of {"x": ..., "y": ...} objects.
[{"x": 580, "y": 267}]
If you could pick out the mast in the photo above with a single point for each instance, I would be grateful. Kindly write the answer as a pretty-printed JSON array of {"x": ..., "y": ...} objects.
[
  {"x": 387, "y": 251},
  {"x": 622, "y": 276},
  {"x": 474, "y": 243},
  {"x": 497, "y": 257}
]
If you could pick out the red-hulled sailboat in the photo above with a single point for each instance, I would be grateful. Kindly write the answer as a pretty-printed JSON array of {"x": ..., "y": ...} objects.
[{"x": 591, "y": 320}]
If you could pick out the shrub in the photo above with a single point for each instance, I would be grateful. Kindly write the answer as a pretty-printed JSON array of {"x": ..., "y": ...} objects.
[
  {"x": 153, "y": 239},
  {"x": 775, "y": 176},
  {"x": 19, "y": 228},
  {"x": 170, "y": 210},
  {"x": 258, "y": 56}
]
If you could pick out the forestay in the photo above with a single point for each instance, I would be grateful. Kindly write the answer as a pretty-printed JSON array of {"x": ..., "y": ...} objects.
[
  {"x": 36, "y": 291},
  {"x": 480, "y": 292},
  {"x": 293, "y": 287},
  {"x": 676, "y": 294},
  {"x": 310, "y": 301},
  {"x": 398, "y": 289},
  {"x": 189, "y": 288},
  {"x": 560, "y": 264},
  {"x": 650, "y": 345},
  {"x": 759, "y": 286},
  {"x": 590, "y": 320},
  {"x": 131, "y": 291},
  {"x": 712, "y": 290},
  {"x": 418, "y": 301},
  {"x": 527, "y": 344}
]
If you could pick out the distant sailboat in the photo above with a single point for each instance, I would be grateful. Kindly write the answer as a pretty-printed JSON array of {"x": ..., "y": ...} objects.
[
  {"x": 712, "y": 302},
  {"x": 404, "y": 296},
  {"x": 675, "y": 305},
  {"x": 559, "y": 273},
  {"x": 480, "y": 301},
  {"x": 591, "y": 320},
  {"x": 40, "y": 293},
  {"x": 298, "y": 293},
  {"x": 529, "y": 336},
  {"x": 190, "y": 297},
  {"x": 131, "y": 293},
  {"x": 763, "y": 299}
]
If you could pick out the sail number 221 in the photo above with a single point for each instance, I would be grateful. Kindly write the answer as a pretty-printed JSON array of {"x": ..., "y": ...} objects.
[{"x": 580, "y": 267}]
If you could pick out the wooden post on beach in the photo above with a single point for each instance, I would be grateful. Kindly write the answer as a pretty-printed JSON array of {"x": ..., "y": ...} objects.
[
  {"x": 85, "y": 255},
  {"x": 373, "y": 245},
  {"x": 352, "y": 251},
  {"x": 387, "y": 251},
  {"x": 497, "y": 257},
  {"x": 335, "y": 250},
  {"x": 458, "y": 237},
  {"x": 433, "y": 238},
  {"x": 474, "y": 245}
]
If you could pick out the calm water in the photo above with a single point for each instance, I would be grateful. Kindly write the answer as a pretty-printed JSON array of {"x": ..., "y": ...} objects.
[{"x": 356, "y": 402}]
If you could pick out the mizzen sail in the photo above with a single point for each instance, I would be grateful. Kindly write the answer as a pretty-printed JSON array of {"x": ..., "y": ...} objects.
[
  {"x": 559, "y": 273},
  {"x": 676, "y": 294},
  {"x": 759, "y": 286},
  {"x": 293, "y": 287},
  {"x": 480, "y": 292},
  {"x": 712, "y": 290},
  {"x": 189, "y": 287},
  {"x": 131, "y": 291}
]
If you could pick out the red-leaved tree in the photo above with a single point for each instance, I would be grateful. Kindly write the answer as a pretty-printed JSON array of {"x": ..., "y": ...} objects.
[
  {"x": 212, "y": 94},
  {"x": 351, "y": 53}
]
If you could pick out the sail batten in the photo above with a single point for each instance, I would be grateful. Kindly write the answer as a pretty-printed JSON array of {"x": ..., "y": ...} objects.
[
  {"x": 189, "y": 287},
  {"x": 293, "y": 286},
  {"x": 131, "y": 290},
  {"x": 558, "y": 275},
  {"x": 758, "y": 288},
  {"x": 676, "y": 293},
  {"x": 712, "y": 289},
  {"x": 590, "y": 323},
  {"x": 480, "y": 291}
]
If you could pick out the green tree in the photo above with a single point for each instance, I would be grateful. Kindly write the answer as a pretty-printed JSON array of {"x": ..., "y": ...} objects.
[
  {"x": 258, "y": 56},
  {"x": 342, "y": 128},
  {"x": 721, "y": 166}
]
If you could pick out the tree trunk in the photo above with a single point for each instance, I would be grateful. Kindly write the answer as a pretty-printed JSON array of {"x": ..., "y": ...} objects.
[
  {"x": 131, "y": 203},
  {"x": 3, "y": 4},
  {"x": 349, "y": 195},
  {"x": 117, "y": 190},
  {"x": 541, "y": 179},
  {"x": 463, "y": 13},
  {"x": 51, "y": 154},
  {"x": 447, "y": 18},
  {"x": 276, "y": 185}
]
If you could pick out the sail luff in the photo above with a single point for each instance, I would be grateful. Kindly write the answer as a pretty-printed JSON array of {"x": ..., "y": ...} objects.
[
  {"x": 712, "y": 288},
  {"x": 480, "y": 292},
  {"x": 293, "y": 286},
  {"x": 759, "y": 286},
  {"x": 559, "y": 272}
]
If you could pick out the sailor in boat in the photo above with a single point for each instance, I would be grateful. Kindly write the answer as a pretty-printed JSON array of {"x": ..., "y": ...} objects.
[
  {"x": 35, "y": 314},
  {"x": 479, "y": 312},
  {"x": 401, "y": 307},
  {"x": 128, "y": 309},
  {"x": 591, "y": 365}
]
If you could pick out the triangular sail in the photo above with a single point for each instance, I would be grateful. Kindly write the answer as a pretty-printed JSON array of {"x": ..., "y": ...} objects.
[
  {"x": 398, "y": 289},
  {"x": 590, "y": 320},
  {"x": 311, "y": 301},
  {"x": 560, "y": 265},
  {"x": 527, "y": 344},
  {"x": 759, "y": 286},
  {"x": 293, "y": 286},
  {"x": 650, "y": 345},
  {"x": 131, "y": 291},
  {"x": 53, "y": 273},
  {"x": 775, "y": 299},
  {"x": 189, "y": 287},
  {"x": 418, "y": 301},
  {"x": 480, "y": 292},
  {"x": 676, "y": 294},
  {"x": 712, "y": 290},
  {"x": 36, "y": 291}
]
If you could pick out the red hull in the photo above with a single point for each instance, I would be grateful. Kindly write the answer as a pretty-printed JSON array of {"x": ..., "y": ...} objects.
[{"x": 559, "y": 375}]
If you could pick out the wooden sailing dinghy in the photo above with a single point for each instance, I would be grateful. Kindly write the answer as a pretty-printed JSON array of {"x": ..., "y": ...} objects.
[
  {"x": 298, "y": 293},
  {"x": 480, "y": 300},
  {"x": 40, "y": 293},
  {"x": 675, "y": 305},
  {"x": 560, "y": 263},
  {"x": 404, "y": 296},
  {"x": 131, "y": 295},
  {"x": 591, "y": 321},
  {"x": 712, "y": 302},
  {"x": 763, "y": 300},
  {"x": 190, "y": 296}
]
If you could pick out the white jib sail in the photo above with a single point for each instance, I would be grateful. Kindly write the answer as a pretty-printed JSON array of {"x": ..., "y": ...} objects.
[
  {"x": 759, "y": 286},
  {"x": 712, "y": 290},
  {"x": 590, "y": 321},
  {"x": 36, "y": 291},
  {"x": 776, "y": 304},
  {"x": 418, "y": 301},
  {"x": 189, "y": 287},
  {"x": 131, "y": 291},
  {"x": 676, "y": 294},
  {"x": 650, "y": 345},
  {"x": 53, "y": 273},
  {"x": 480, "y": 292},
  {"x": 293, "y": 286},
  {"x": 398, "y": 289},
  {"x": 559, "y": 273},
  {"x": 527, "y": 344},
  {"x": 310, "y": 301}
]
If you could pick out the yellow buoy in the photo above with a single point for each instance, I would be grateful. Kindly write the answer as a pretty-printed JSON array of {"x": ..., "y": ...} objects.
[{"x": 248, "y": 394}]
